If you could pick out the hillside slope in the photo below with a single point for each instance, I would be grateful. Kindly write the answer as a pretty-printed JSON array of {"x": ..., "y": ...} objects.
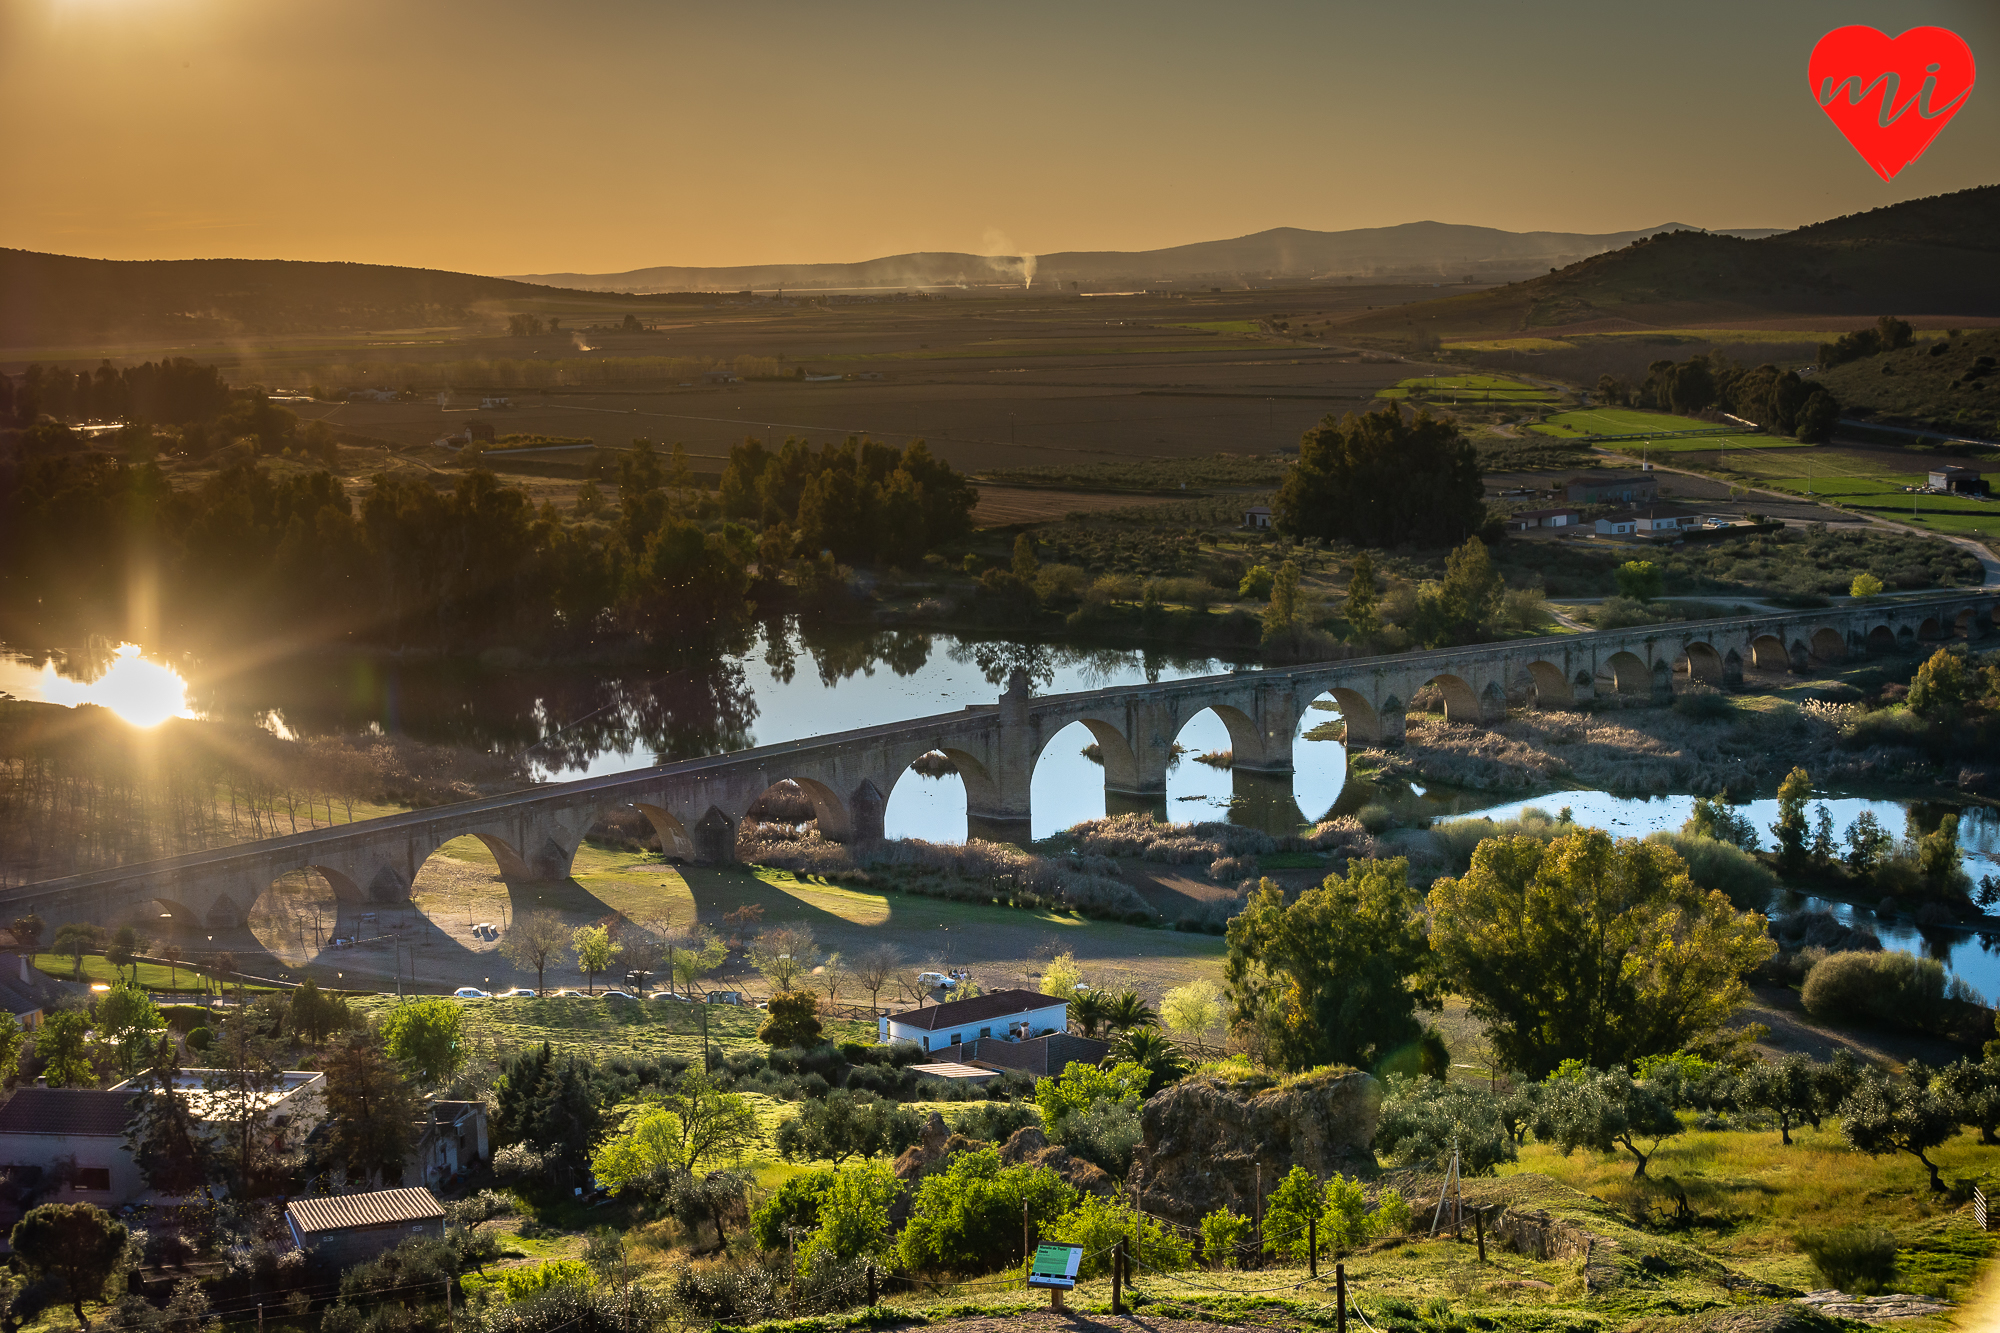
[
  {"x": 1432, "y": 249},
  {"x": 1950, "y": 384},
  {"x": 47, "y": 299},
  {"x": 1933, "y": 256}
]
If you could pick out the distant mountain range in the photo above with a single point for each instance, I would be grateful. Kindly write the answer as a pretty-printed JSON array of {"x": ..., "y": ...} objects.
[
  {"x": 1938, "y": 256},
  {"x": 1427, "y": 250}
]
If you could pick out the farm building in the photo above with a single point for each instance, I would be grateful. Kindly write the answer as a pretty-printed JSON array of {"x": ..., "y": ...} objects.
[
  {"x": 1952, "y": 477},
  {"x": 1257, "y": 516},
  {"x": 1541, "y": 518},
  {"x": 1633, "y": 488},
  {"x": 349, "y": 1229},
  {"x": 1653, "y": 521},
  {"x": 1002, "y": 1014}
]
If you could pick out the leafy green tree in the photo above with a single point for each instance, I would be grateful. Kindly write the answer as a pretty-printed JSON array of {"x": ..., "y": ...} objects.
[
  {"x": 1298, "y": 1200},
  {"x": 428, "y": 1038},
  {"x": 1712, "y": 818},
  {"x": 1364, "y": 595},
  {"x": 1025, "y": 564},
  {"x": 1337, "y": 975},
  {"x": 1225, "y": 1236},
  {"x": 1790, "y": 830},
  {"x": 551, "y": 1102},
  {"x": 792, "y": 1020},
  {"x": 1458, "y": 608},
  {"x": 1865, "y": 585},
  {"x": 1282, "y": 613},
  {"x": 1352, "y": 483},
  {"x": 129, "y": 1022},
  {"x": 792, "y": 1207},
  {"x": 1587, "y": 949},
  {"x": 1088, "y": 1010},
  {"x": 124, "y": 950},
  {"x": 171, "y": 1150},
  {"x": 371, "y": 1115},
  {"x": 1641, "y": 580},
  {"x": 1881, "y": 1117},
  {"x": 12, "y": 1042},
  {"x": 1974, "y": 1091},
  {"x": 254, "y": 1156},
  {"x": 1605, "y": 1112},
  {"x": 1128, "y": 1011},
  {"x": 315, "y": 1015},
  {"x": 853, "y": 1216},
  {"x": 594, "y": 950},
  {"x": 1785, "y": 1089},
  {"x": 77, "y": 939},
  {"x": 968, "y": 1217},
  {"x": 1423, "y": 1118},
  {"x": 1867, "y": 843},
  {"x": 846, "y": 1124},
  {"x": 1823, "y": 844},
  {"x": 1098, "y": 1223},
  {"x": 695, "y": 1125},
  {"x": 1938, "y": 860},
  {"x": 1081, "y": 1086},
  {"x": 692, "y": 956},
  {"x": 78, "y": 1245},
  {"x": 1256, "y": 583},
  {"x": 1938, "y": 691},
  {"x": 62, "y": 1044},
  {"x": 1150, "y": 1050}
]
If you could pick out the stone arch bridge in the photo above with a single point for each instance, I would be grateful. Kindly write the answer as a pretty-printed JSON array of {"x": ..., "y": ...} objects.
[{"x": 696, "y": 804}]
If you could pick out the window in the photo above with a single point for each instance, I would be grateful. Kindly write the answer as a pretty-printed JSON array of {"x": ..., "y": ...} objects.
[
  {"x": 986, "y": 1032},
  {"x": 954, "y": 1038},
  {"x": 93, "y": 1178}
]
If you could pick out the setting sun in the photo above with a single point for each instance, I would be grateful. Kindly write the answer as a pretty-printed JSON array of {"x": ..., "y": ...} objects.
[{"x": 144, "y": 693}]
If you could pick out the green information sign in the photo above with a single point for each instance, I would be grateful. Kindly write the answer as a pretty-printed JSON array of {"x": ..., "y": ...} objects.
[{"x": 1055, "y": 1265}]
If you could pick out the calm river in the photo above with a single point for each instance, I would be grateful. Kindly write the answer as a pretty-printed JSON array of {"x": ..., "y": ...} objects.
[{"x": 784, "y": 683}]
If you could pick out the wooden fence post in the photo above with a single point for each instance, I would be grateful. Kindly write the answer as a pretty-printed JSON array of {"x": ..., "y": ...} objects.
[
  {"x": 1340, "y": 1298},
  {"x": 1312, "y": 1247},
  {"x": 1118, "y": 1278}
]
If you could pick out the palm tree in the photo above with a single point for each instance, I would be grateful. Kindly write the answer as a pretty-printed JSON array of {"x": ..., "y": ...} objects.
[
  {"x": 1148, "y": 1047},
  {"x": 1128, "y": 1011},
  {"x": 1089, "y": 1009}
]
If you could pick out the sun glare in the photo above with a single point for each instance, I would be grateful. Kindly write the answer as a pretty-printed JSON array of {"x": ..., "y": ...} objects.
[{"x": 143, "y": 693}]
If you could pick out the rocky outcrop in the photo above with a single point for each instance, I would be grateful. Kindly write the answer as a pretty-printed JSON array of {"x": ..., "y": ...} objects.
[
  {"x": 1030, "y": 1147},
  {"x": 1208, "y": 1138},
  {"x": 928, "y": 1153}
]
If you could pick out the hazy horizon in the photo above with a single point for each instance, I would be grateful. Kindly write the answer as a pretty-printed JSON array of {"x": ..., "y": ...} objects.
[{"x": 507, "y": 138}]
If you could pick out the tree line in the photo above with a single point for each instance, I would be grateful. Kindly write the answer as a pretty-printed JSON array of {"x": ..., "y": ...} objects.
[{"x": 1780, "y": 401}]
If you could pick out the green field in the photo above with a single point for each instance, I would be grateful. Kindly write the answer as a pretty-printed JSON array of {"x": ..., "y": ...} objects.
[
  {"x": 98, "y": 970},
  {"x": 1855, "y": 479},
  {"x": 1631, "y": 421},
  {"x": 1470, "y": 388}
]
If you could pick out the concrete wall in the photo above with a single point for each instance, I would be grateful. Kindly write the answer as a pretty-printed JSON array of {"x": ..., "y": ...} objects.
[
  {"x": 695, "y": 805},
  {"x": 88, "y": 1150}
]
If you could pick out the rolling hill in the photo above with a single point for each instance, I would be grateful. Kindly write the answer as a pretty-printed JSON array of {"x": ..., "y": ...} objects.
[
  {"x": 1935, "y": 256},
  {"x": 1431, "y": 250},
  {"x": 51, "y": 299}
]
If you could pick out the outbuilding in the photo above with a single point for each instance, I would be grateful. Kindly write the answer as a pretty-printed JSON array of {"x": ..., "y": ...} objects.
[
  {"x": 1630, "y": 488},
  {"x": 349, "y": 1229},
  {"x": 1257, "y": 516},
  {"x": 1953, "y": 478}
]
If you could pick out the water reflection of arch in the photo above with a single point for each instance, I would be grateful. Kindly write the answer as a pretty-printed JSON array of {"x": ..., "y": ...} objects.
[
  {"x": 1629, "y": 673},
  {"x": 1767, "y": 653},
  {"x": 1705, "y": 664},
  {"x": 1828, "y": 645},
  {"x": 1363, "y": 722}
]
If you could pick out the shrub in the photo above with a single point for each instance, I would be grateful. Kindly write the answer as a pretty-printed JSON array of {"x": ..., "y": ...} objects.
[
  {"x": 1704, "y": 704},
  {"x": 1857, "y": 1260},
  {"x": 519, "y": 1284},
  {"x": 200, "y": 1039},
  {"x": 995, "y": 1122},
  {"x": 1894, "y": 989},
  {"x": 1724, "y": 867},
  {"x": 1225, "y": 1238},
  {"x": 518, "y": 1161}
]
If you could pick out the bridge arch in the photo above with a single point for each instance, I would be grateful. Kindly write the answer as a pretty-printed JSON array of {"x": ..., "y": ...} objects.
[
  {"x": 1705, "y": 664},
  {"x": 1881, "y": 639},
  {"x": 1767, "y": 653},
  {"x": 167, "y": 919},
  {"x": 676, "y": 842},
  {"x": 1629, "y": 673},
  {"x": 829, "y": 811},
  {"x": 1828, "y": 645},
  {"x": 931, "y": 796},
  {"x": 1067, "y": 783},
  {"x": 1461, "y": 701},
  {"x": 1967, "y": 624},
  {"x": 1121, "y": 766},
  {"x": 1932, "y": 628},
  {"x": 1245, "y": 742},
  {"x": 297, "y": 913},
  {"x": 512, "y": 865},
  {"x": 1550, "y": 688},
  {"x": 1364, "y": 724}
]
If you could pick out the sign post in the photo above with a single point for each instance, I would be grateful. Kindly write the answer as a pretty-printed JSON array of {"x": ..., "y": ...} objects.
[{"x": 1055, "y": 1268}]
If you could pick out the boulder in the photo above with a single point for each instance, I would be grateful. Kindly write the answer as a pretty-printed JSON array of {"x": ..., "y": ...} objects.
[
  {"x": 1030, "y": 1147},
  {"x": 1208, "y": 1137}
]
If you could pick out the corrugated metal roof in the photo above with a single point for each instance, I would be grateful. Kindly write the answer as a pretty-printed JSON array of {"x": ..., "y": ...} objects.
[
  {"x": 951, "y": 1069},
  {"x": 381, "y": 1208}
]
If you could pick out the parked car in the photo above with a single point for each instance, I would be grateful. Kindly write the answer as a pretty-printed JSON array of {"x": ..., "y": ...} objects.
[
  {"x": 568, "y": 995},
  {"x": 933, "y": 980},
  {"x": 518, "y": 993},
  {"x": 616, "y": 995},
  {"x": 471, "y": 993},
  {"x": 669, "y": 995}
]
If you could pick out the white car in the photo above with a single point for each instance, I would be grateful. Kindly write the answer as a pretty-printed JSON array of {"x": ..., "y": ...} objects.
[
  {"x": 668, "y": 995},
  {"x": 567, "y": 994},
  {"x": 471, "y": 993},
  {"x": 616, "y": 995},
  {"x": 518, "y": 993},
  {"x": 933, "y": 980}
]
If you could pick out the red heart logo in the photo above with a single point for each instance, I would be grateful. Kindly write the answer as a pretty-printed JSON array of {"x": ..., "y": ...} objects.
[{"x": 1890, "y": 95}]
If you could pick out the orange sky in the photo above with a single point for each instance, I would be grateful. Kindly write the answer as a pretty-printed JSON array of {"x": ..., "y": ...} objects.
[{"x": 598, "y": 135}]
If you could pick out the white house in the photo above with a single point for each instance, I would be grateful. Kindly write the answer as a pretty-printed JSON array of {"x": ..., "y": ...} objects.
[
  {"x": 1257, "y": 516},
  {"x": 1001, "y": 1014}
]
